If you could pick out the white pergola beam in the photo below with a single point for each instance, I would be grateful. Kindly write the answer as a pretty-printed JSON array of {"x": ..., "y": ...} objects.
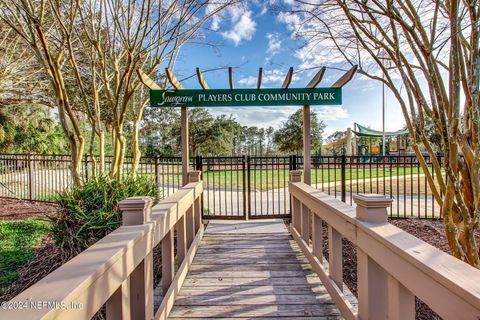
[
  {"x": 201, "y": 79},
  {"x": 347, "y": 76},
  {"x": 288, "y": 78}
]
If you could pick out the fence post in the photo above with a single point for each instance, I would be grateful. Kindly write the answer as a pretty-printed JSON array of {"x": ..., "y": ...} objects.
[
  {"x": 244, "y": 187},
  {"x": 139, "y": 286},
  {"x": 198, "y": 163},
  {"x": 86, "y": 167},
  {"x": 157, "y": 177},
  {"x": 342, "y": 177},
  {"x": 380, "y": 296},
  {"x": 249, "y": 202},
  {"x": 31, "y": 178},
  {"x": 294, "y": 162}
]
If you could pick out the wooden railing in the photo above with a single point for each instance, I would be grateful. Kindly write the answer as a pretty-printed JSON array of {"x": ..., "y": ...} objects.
[
  {"x": 392, "y": 266},
  {"x": 118, "y": 269}
]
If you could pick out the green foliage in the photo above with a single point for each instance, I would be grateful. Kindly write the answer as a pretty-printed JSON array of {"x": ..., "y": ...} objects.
[
  {"x": 158, "y": 131},
  {"x": 26, "y": 129},
  {"x": 221, "y": 135},
  {"x": 90, "y": 211},
  {"x": 18, "y": 240},
  {"x": 289, "y": 137}
]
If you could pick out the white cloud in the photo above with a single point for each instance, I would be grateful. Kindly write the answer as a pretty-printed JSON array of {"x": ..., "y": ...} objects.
[
  {"x": 291, "y": 20},
  {"x": 270, "y": 78},
  {"x": 264, "y": 117},
  {"x": 248, "y": 81},
  {"x": 243, "y": 29},
  {"x": 235, "y": 23},
  {"x": 274, "y": 44},
  {"x": 331, "y": 113},
  {"x": 275, "y": 76}
]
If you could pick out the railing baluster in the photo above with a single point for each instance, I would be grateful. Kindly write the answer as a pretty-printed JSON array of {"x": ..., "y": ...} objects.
[
  {"x": 305, "y": 224},
  {"x": 401, "y": 301},
  {"x": 181, "y": 239},
  {"x": 335, "y": 257},
  {"x": 317, "y": 237},
  {"x": 118, "y": 305},
  {"x": 296, "y": 176},
  {"x": 194, "y": 176},
  {"x": 168, "y": 266},
  {"x": 190, "y": 225}
]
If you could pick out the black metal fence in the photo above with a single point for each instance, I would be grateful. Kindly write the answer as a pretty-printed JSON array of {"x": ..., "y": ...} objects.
[
  {"x": 41, "y": 177},
  {"x": 238, "y": 187}
]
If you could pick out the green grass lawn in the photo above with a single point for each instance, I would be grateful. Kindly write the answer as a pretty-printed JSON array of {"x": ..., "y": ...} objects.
[
  {"x": 18, "y": 239},
  {"x": 271, "y": 179}
]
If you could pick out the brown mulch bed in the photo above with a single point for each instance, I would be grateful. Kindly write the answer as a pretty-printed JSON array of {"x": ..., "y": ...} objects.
[{"x": 14, "y": 209}]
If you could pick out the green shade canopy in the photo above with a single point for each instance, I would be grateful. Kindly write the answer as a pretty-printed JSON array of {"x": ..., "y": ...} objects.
[{"x": 367, "y": 132}]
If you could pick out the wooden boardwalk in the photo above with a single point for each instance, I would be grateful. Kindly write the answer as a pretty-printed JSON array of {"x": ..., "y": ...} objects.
[{"x": 251, "y": 270}]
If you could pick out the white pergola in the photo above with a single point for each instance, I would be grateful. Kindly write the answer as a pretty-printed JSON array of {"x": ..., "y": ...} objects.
[{"x": 176, "y": 84}]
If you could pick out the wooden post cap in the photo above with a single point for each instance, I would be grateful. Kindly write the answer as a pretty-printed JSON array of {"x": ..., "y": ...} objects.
[
  {"x": 372, "y": 207},
  {"x": 136, "y": 210},
  {"x": 194, "y": 176},
  {"x": 296, "y": 176}
]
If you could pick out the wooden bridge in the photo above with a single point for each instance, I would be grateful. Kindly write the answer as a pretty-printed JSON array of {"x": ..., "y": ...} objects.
[{"x": 258, "y": 269}]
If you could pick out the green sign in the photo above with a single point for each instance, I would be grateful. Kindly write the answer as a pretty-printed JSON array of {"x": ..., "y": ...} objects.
[{"x": 245, "y": 97}]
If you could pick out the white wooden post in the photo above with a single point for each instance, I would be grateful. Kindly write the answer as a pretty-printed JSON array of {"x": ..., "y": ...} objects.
[
  {"x": 184, "y": 145},
  {"x": 379, "y": 295},
  {"x": 139, "y": 286},
  {"x": 307, "y": 159},
  {"x": 349, "y": 141}
]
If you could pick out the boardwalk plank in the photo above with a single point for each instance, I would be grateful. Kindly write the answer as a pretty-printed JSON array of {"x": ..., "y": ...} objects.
[
  {"x": 249, "y": 281},
  {"x": 241, "y": 275},
  {"x": 250, "y": 267},
  {"x": 248, "y": 290},
  {"x": 254, "y": 311},
  {"x": 252, "y": 299},
  {"x": 250, "y": 273}
]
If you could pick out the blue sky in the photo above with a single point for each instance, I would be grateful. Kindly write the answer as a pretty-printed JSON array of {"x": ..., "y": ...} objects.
[{"x": 252, "y": 36}]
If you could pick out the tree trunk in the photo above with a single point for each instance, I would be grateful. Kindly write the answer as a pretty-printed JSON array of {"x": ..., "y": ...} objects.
[
  {"x": 101, "y": 151},
  {"x": 135, "y": 148}
]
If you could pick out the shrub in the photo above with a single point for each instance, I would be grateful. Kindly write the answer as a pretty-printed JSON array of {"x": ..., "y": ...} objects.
[{"x": 90, "y": 211}]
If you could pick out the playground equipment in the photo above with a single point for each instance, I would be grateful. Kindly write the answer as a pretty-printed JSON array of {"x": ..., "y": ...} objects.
[
  {"x": 396, "y": 142},
  {"x": 366, "y": 142}
]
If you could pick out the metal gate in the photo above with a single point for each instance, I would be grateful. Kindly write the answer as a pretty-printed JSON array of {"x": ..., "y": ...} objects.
[{"x": 245, "y": 186}]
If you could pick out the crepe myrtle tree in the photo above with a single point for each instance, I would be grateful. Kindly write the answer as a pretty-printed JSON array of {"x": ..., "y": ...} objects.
[
  {"x": 47, "y": 29},
  {"x": 91, "y": 52},
  {"x": 142, "y": 35},
  {"x": 427, "y": 54}
]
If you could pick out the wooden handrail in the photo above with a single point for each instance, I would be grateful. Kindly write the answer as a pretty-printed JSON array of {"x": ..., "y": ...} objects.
[
  {"x": 392, "y": 266},
  {"x": 118, "y": 269}
]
